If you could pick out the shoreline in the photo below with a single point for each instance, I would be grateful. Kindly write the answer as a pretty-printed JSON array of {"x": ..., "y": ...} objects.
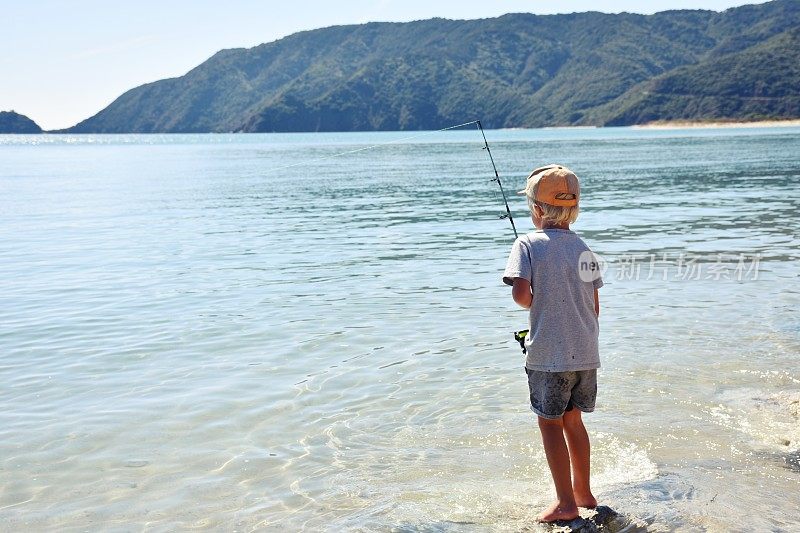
[
  {"x": 655, "y": 125},
  {"x": 675, "y": 124}
]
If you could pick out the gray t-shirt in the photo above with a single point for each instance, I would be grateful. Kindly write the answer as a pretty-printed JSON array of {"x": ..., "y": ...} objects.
[{"x": 562, "y": 321}]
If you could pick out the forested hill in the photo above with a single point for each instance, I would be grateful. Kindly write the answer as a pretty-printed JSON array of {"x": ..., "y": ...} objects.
[
  {"x": 13, "y": 122},
  {"x": 518, "y": 70}
]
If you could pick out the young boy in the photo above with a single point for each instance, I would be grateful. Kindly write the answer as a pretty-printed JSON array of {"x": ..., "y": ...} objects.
[{"x": 554, "y": 275}]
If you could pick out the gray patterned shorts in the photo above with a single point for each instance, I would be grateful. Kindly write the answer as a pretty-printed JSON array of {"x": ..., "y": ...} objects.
[{"x": 553, "y": 393}]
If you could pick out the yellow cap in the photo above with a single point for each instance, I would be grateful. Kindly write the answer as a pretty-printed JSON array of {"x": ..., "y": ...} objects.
[{"x": 557, "y": 185}]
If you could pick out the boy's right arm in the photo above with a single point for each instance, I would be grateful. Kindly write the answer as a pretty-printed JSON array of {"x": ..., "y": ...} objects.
[
  {"x": 518, "y": 273},
  {"x": 521, "y": 292}
]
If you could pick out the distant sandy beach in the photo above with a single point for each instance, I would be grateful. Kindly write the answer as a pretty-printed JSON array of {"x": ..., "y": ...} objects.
[{"x": 672, "y": 124}]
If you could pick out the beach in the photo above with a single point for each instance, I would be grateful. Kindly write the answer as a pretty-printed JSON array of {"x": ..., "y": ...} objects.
[{"x": 683, "y": 124}]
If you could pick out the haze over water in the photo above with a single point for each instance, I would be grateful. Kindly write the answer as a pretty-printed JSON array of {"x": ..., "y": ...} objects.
[{"x": 194, "y": 334}]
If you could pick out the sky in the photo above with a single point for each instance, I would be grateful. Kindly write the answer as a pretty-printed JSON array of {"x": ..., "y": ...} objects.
[{"x": 65, "y": 60}]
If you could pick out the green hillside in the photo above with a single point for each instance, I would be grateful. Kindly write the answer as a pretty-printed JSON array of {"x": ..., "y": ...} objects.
[
  {"x": 761, "y": 82},
  {"x": 518, "y": 70},
  {"x": 13, "y": 122}
]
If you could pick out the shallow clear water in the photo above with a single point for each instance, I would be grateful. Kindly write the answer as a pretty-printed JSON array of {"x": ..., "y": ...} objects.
[{"x": 198, "y": 332}]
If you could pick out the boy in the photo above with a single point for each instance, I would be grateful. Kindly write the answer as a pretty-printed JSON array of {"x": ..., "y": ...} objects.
[{"x": 554, "y": 275}]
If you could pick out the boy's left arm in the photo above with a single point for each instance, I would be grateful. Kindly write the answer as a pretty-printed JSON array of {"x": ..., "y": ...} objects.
[{"x": 596, "y": 302}]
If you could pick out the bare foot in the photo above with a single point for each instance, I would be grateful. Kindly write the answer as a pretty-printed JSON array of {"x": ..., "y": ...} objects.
[
  {"x": 585, "y": 500},
  {"x": 557, "y": 511}
]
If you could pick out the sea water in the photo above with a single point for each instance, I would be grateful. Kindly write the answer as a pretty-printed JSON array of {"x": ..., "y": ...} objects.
[{"x": 252, "y": 332}]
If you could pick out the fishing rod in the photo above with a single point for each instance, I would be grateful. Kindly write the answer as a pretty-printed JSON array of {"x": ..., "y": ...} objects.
[
  {"x": 520, "y": 335},
  {"x": 497, "y": 179}
]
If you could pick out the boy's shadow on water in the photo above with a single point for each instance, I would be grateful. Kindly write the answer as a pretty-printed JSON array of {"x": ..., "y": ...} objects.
[
  {"x": 792, "y": 460},
  {"x": 602, "y": 519},
  {"x": 638, "y": 507}
]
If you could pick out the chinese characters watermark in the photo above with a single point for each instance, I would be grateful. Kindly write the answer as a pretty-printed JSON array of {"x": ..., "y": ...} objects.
[{"x": 666, "y": 267}]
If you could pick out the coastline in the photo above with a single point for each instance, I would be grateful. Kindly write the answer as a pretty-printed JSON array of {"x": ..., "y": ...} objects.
[{"x": 673, "y": 124}]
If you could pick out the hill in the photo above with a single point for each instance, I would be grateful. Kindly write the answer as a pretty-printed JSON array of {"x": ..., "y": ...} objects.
[
  {"x": 13, "y": 122},
  {"x": 518, "y": 70}
]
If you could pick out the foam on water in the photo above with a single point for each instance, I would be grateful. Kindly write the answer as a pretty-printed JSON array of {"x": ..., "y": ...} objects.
[{"x": 497, "y": 480}]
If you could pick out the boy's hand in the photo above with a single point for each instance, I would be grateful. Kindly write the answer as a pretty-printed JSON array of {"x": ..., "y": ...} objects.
[{"x": 521, "y": 292}]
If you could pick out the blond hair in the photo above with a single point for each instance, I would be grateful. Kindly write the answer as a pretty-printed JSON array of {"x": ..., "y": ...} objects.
[{"x": 554, "y": 214}]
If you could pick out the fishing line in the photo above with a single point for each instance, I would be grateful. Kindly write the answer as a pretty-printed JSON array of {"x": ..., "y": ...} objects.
[
  {"x": 348, "y": 152},
  {"x": 496, "y": 178}
]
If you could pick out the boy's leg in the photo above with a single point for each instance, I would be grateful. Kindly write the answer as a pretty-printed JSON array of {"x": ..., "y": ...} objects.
[
  {"x": 579, "y": 453},
  {"x": 555, "y": 448}
]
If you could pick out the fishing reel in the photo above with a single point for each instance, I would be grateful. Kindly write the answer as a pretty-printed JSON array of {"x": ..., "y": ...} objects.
[{"x": 519, "y": 336}]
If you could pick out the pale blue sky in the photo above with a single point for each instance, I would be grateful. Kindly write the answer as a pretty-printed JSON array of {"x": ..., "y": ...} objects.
[{"x": 63, "y": 61}]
